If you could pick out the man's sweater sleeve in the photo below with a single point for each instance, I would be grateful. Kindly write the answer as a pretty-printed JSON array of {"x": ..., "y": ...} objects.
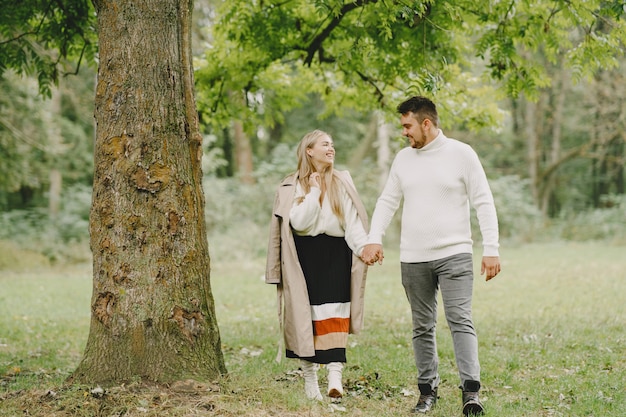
[{"x": 481, "y": 199}]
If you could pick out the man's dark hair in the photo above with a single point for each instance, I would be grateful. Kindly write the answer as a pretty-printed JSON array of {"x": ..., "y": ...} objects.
[{"x": 421, "y": 107}]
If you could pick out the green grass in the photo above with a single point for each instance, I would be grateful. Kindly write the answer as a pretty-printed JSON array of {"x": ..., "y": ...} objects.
[
  {"x": 551, "y": 334},
  {"x": 44, "y": 322}
]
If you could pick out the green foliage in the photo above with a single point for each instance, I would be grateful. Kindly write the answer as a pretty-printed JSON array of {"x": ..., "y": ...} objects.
[
  {"x": 15, "y": 258},
  {"x": 46, "y": 39},
  {"x": 604, "y": 224},
  {"x": 518, "y": 216},
  {"x": 39, "y": 135},
  {"x": 229, "y": 202},
  {"x": 590, "y": 34},
  {"x": 22, "y": 133},
  {"x": 266, "y": 57},
  {"x": 61, "y": 239},
  {"x": 366, "y": 55}
]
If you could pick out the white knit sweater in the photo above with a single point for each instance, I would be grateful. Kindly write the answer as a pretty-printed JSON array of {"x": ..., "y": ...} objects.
[{"x": 439, "y": 183}]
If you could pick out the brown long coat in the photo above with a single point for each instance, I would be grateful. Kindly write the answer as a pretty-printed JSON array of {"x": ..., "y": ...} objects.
[{"x": 283, "y": 269}]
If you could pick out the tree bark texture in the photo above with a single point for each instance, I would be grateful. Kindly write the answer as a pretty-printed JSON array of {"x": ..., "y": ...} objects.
[{"x": 153, "y": 313}]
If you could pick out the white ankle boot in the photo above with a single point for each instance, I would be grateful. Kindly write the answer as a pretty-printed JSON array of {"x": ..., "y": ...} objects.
[
  {"x": 311, "y": 387},
  {"x": 335, "y": 388}
]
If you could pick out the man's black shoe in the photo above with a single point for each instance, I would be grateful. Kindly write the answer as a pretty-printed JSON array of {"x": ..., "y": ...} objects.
[
  {"x": 428, "y": 398},
  {"x": 471, "y": 403}
]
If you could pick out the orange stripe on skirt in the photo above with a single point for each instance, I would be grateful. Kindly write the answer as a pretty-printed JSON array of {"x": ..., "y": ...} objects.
[{"x": 332, "y": 325}]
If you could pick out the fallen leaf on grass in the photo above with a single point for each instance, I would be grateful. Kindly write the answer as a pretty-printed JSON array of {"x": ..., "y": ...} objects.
[{"x": 97, "y": 392}]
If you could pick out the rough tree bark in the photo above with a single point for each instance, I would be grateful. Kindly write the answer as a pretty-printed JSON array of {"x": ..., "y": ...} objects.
[{"x": 153, "y": 314}]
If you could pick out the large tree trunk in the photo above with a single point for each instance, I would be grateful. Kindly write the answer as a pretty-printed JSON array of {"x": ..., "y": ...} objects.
[{"x": 152, "y": 309}]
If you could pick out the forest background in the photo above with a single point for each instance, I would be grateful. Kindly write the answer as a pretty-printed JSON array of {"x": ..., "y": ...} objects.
[{"x": 554, "y": 154}]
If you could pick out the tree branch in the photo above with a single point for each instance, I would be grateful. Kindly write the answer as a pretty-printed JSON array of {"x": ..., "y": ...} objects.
[
  {"x": 316, "y": 44},
  {"x": 371, "y": 82}
]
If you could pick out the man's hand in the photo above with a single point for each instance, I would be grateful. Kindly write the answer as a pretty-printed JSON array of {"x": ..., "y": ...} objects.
[
  {"x": 372, "y": 253},
  {"x": 490, "y": 265}
]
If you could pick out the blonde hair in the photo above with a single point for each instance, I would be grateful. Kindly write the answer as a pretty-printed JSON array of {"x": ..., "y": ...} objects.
[{"x": 329, "y": 181}]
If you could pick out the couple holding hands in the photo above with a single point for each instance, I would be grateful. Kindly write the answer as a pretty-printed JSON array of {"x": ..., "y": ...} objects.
[{"x": 320, "y": 247}]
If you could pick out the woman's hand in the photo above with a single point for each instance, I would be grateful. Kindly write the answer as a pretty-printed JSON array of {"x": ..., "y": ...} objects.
[
  {"x": 373, "y": 253},
  {"x": 314, "y": 179}
]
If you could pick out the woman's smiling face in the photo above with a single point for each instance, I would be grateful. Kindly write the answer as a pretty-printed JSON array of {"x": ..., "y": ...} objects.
[{"x": 322, "y": 153}]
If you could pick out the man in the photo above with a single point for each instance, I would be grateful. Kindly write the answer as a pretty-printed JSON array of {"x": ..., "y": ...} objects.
[{"x": 439, "y": 178}]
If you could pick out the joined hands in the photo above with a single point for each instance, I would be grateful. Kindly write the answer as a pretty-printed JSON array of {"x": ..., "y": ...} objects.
[{"x": 372, "y": 253}]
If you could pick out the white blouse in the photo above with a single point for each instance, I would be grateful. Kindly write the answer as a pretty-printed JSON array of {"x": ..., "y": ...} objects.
[{"x": 308, "y": 218}]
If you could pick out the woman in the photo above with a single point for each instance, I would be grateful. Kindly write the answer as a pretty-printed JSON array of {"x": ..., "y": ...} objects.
[{"x": 317, "y": 233}]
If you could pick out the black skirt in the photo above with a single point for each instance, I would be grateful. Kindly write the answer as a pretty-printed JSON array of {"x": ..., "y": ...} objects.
[{"x": 327, "y": 263}]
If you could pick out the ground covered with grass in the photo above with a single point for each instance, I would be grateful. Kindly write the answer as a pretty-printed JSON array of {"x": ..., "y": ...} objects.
[{"x": 550, "y": 331}]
